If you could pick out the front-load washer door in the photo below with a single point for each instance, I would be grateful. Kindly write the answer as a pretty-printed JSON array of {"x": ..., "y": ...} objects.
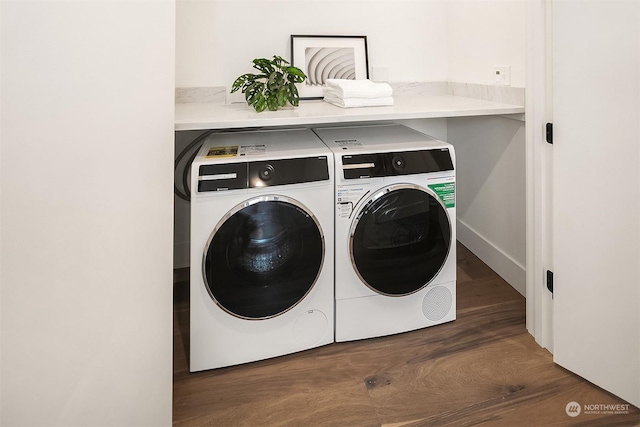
[
  {"x": 263, "y": 257},
  {"x": 400, "y": 239}
]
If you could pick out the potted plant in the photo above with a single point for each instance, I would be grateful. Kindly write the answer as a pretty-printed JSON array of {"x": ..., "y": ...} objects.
[{"x": 273, "y": 87}]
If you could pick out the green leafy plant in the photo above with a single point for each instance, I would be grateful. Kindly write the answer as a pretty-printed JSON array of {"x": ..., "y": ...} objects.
[{"x": 273, "y": 87}]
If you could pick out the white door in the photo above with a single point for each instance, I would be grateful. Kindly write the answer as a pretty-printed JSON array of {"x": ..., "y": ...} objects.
[{"x": 596, "y": 114}]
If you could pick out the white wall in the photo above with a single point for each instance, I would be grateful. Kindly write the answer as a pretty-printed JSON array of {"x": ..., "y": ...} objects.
[
  {"x": 490, "y": 183},
  {"x": 435, "y": 40},
  {"x": 196, "y": 42},
  {"x": 491, "y": 177},
  {"x": 217, "y": 40},
  {"x": 482, "y": 34},
  {"x": 86, "y": 210}
]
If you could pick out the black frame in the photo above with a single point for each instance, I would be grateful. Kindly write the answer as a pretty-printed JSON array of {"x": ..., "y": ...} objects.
[{"x": 315, "y": 92}]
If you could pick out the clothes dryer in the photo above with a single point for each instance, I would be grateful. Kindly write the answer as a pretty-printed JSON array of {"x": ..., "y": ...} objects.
[
  {"x": 395, "y": 230},
  {"x": 261, "y": 247}
]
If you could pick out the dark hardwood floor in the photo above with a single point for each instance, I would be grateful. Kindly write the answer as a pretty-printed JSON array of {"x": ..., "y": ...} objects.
[{"x": 482, "y": 369}]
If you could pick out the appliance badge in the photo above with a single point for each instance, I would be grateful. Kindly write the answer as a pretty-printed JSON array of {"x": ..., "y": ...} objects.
[
  {"x": 346, "y": 143},
  {"x": 347, "y": 197}
]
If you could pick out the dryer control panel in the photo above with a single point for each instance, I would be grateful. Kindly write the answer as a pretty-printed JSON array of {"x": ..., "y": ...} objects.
[{"x": 355, "y": 166}]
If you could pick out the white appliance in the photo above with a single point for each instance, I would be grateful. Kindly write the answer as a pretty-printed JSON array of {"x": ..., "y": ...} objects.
[
  {"x": 395, "y": 230},
  {"x": 261, "y": 247}
]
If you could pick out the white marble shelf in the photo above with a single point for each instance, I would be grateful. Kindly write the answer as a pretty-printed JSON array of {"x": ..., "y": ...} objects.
[{"x": 199, "y": 116}]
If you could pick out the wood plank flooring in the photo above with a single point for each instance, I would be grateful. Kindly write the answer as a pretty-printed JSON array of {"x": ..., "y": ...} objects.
[{"x": 482, "y": 369}]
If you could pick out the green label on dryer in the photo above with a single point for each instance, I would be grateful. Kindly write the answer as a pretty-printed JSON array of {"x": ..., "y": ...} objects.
[{"x": 447, "y": 193}]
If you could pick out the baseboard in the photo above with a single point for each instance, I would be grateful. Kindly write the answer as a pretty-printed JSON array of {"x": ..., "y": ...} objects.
[{"x": 506, "y": 267}]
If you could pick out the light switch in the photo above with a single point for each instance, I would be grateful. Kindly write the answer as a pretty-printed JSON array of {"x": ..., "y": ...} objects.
[{"x": 502, "y": 75}]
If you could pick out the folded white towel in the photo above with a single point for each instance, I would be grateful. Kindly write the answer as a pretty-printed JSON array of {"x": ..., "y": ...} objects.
[
  {"x": 358, "y": 88},
  {"x": 359, "y": 102}
]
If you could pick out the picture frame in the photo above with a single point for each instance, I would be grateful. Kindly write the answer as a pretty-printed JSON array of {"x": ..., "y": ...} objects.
[{"x": 323, "y": 57}]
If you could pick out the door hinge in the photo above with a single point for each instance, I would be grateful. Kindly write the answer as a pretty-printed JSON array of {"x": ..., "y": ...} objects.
[
  {"x": 549, "y": 133},
  {"x": 550, "y": 281}
]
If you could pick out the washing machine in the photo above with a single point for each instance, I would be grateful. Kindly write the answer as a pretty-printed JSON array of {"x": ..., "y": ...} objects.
[
  {"x": 395, "y": 231},
  {"x": 262, "y": 248}
]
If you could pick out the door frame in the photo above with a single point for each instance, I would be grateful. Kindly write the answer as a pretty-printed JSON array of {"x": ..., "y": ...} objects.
[{"x": 538, "y": 112}]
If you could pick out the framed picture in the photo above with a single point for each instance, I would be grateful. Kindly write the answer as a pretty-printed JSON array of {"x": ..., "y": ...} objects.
[{"x": 328, "y": 57}]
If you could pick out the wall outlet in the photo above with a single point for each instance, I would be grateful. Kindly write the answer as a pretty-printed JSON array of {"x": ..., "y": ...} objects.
[{"x": 502, "y": 75}]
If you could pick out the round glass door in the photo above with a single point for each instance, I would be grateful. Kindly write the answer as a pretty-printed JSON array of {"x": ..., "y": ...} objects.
[
  {"x": 400, "y": 239},
  {"x": 264, "y": 257}
]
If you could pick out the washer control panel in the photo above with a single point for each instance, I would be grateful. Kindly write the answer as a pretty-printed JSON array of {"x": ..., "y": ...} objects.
[{"x": 262, "y": 173}]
